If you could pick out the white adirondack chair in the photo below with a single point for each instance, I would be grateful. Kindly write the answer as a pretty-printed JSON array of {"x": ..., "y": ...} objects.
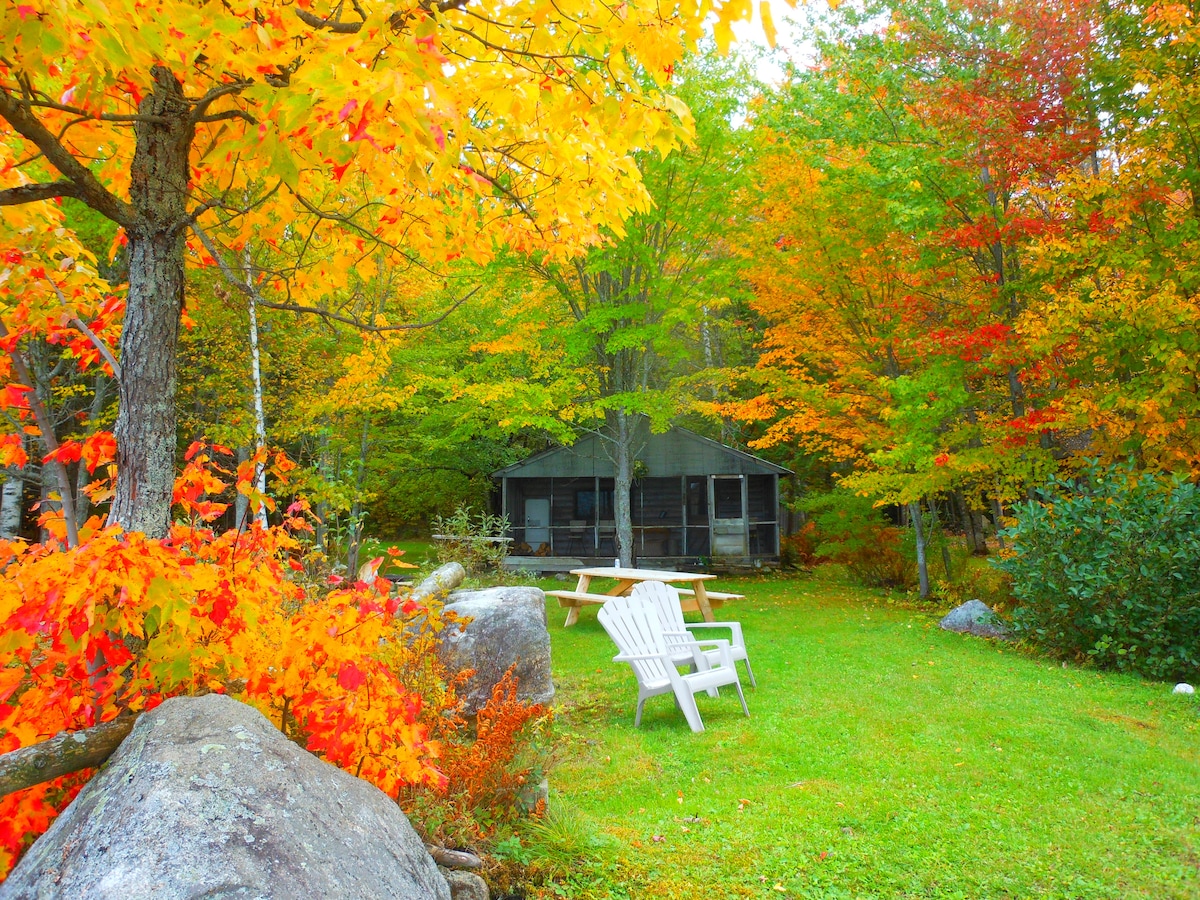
[
  {"x": 634, "y": 626},
  {"x": 666, "y": 601}
]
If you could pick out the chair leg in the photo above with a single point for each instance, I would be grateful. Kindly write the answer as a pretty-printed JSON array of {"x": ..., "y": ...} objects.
[
  {"x": 687, "y": 702},
  {"x": 742, "y": 697},
  {"x": 637, "y": 720},
  {"x": 750, "y": 672}
]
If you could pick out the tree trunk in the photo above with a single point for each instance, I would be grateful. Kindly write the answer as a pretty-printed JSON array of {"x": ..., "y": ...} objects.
[
  {"x": 623, "y": 483},
  {"x": 10, "y": 505},
  {"x": 83, "y": 477},
  {"x": 145, "y": 427},
  {"x": 354, "y": 535},
  {"x": 914, "y": 510},
  {"x": 997, "y": 514},
  {"x": 936, "y": 525},
  {"x": 260, "y": 419}
]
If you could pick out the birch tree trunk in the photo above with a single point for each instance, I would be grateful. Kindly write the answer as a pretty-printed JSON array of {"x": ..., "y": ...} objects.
[
  {"x": 622, "y": 485},
  {"x": 260, "y": 419},
  {"x": 10, "y": 505}
]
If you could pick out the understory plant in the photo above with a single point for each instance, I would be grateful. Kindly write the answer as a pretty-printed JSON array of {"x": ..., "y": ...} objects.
[
  {"x": 852, "y": 531},
  {"x": 472, "y": 539},
  {"x": 120, "y": 622},
  {"x": 1107, "y": 568}
]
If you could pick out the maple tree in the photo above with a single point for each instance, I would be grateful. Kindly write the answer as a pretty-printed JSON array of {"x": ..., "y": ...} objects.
[
  {"x": 433, "y": 130},
  {"x": 624, "y": 331},
  {"x": 1119, "y": 277},
  {"x": 918, "y": 140}
]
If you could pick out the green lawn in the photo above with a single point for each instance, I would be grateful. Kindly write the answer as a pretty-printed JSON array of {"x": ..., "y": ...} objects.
[{"x": 883, "y": 758}]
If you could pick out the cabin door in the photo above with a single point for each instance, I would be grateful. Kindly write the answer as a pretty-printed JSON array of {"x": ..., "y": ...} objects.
[
  {"x": 730, "y": 535},
  {"x": 537, "y": 522}
]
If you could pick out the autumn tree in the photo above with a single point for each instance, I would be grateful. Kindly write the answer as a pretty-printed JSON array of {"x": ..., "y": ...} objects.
[
  {"x": 638, "y": 318},
  {"x": 433, "y": 130},
  {"x": 918, "y": 141}
]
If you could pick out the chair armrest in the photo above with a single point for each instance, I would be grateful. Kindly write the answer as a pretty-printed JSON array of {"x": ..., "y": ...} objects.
[
  {"x": 734, "y": 627},
  {"x": 684, "y": 640}
]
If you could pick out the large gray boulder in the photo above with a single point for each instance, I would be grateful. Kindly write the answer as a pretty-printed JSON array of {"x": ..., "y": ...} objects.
[
  {"x": 508, "y": 625},
  {"x": 974, "y": 617},
  {"x": 205, "y": 798}
]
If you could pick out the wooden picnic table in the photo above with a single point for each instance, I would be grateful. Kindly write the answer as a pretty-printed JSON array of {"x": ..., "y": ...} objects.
[{"x": 697, "y": 593}]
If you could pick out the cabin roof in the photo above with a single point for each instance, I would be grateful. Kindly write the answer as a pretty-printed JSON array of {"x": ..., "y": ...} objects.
[{"x": 675, "y": 452}]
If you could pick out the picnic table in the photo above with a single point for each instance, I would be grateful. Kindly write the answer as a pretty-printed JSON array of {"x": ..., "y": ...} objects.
[{"x": 693, "y": 598}]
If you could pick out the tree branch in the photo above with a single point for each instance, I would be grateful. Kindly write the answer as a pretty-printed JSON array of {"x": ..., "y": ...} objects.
[
  {"x": 363, "y": 326},
  {"x": 227, "y": 114},
  {"x": 31, "y": 193},
  {"x": 61, "y": 755},
  {"x": 82, "y": 327},
  {"x": 87, "y": 186},
  {"x": 398, "y": 20},
  {"x": 248, "y": 288}
]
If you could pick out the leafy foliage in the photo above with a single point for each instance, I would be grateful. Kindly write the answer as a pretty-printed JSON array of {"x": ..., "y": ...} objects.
[
  {"x": 473, "y": 540},
  {"x": 493, "y": 769},
  {"x": 121, "y": 621},
  {"x": 1108, "y": 568},
  {"x": 853, "y": 532}
]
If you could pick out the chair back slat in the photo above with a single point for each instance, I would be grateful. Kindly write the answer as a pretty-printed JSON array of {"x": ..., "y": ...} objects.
[
  {"x": 666, "y": 601},
  {"x": 634, "y": 626}
]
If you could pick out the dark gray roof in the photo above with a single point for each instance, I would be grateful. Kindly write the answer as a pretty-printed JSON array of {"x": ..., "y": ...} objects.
[{"x": 674, "y": 452}]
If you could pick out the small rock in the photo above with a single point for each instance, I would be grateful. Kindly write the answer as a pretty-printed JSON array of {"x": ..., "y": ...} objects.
[
  {"x": 974, "y": 617},
  {"x": 1183, "y": 688},
  {"x": 466, "y": 885}
]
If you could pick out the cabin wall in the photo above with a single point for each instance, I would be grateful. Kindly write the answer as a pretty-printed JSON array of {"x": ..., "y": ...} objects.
[{"x": 671, "y": 516}]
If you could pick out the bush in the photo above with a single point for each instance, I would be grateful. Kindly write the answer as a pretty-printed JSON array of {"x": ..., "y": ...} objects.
[
  {"x": 1109, "y": 568},
  {"x": 347, "y": 669},
  {"x": 853, "y": 532},
  {"x": 472, "y": 540}
]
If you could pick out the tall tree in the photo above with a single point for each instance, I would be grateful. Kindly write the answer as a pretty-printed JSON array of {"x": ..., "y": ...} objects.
[
  {"x": 637, "y": 318},
  {"x": 433, "y": 129}
]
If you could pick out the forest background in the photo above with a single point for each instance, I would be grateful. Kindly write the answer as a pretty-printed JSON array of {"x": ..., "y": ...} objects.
[{"x": 942, "y": 261}]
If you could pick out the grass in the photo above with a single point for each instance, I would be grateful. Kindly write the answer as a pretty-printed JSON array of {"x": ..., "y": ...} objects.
[
  {"x": 417, "y": 551},
  {"x": 883, "y": 758}
]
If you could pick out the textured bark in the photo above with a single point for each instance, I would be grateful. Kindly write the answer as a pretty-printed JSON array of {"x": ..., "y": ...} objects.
[
  {"x": 68, "y": 752},
  {"x": 622, "y": 453},
  {"x": 914, "y": 510},
  {"x": 10, "y": 505},
  {"x": 145, "y": 428}
]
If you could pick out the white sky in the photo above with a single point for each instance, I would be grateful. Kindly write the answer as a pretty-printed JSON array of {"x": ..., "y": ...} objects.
[{"x": 790, "y": 39}]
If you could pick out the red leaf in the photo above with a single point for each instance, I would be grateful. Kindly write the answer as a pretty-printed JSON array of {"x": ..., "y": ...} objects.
[
  {"x": 67, "y": 452},
  {"x": 351, "y": 677},
  {"x": 99, "y": 449}
]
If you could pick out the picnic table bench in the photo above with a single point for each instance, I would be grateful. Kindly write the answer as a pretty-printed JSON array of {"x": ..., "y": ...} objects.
[
  {"x": 575, "y": 600},
  {"x": 687, "y": 599}
]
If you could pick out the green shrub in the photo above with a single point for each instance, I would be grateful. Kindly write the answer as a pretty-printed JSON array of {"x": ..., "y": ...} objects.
[
  {"x": 1109, "y": 568},
  {"x": 472, "y": 540},
  {"x": 852, "y": 531}
]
